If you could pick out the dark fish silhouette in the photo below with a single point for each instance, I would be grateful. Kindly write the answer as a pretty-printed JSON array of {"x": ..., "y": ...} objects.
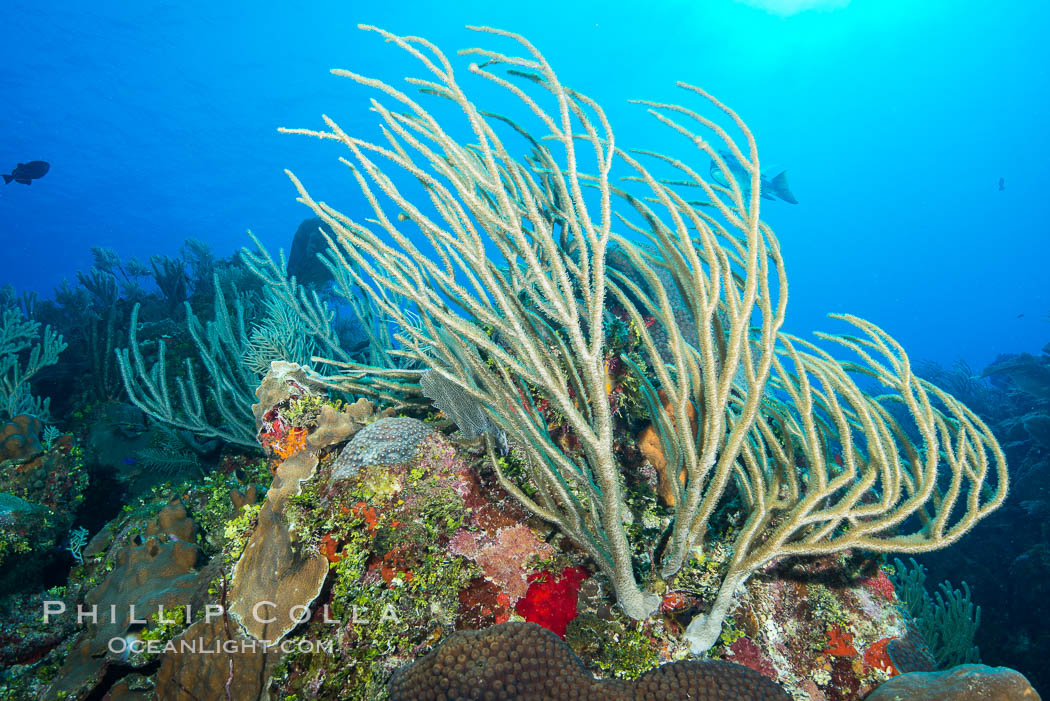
[
  {"x": 26, "y": 173},
  {"x": 1002, "y": 184},
  {"x": 771, "y": 189},
  {"x": 307, "y": 244}
]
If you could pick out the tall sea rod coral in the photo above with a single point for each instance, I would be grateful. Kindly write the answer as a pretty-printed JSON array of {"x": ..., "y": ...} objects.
[{"x": 507, "y": 269}]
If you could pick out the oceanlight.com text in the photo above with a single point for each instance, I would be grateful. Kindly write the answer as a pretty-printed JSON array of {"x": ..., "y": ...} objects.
[{"x": 124, "y": 645}]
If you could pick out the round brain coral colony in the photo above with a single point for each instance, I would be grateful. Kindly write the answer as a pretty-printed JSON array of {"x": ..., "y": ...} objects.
[{"x": 524, "y": 662}]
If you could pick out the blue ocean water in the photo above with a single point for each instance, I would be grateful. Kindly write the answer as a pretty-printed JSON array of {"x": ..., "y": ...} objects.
[
  {"x": 913, "y": 134},
  {"x": 895, "y": 119}
]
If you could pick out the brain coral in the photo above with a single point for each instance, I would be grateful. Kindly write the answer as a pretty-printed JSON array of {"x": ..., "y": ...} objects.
[
  {"x": 384, "y": 442},
  {"x": 525, "y": 662},
  {"x": 971, "y": 682}
]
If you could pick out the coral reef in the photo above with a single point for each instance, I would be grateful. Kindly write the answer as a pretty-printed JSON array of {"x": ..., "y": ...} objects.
[
  {"x": 390, "y": 562},
  {"x": 564, "y": 471},
  {"x": 40, "y": 491},
  {"x": 398, "y": 582},
  {"x": 156, "y": 552},
  {"x": 24, "y": 641},
  {"x": 274, "y": 567},
  {"x": 432, "y": 545},
  {"x": 1006, "y": 563}
]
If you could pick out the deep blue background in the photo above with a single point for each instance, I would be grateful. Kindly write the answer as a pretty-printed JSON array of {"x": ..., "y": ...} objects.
[{"x": 896, "y": 119}]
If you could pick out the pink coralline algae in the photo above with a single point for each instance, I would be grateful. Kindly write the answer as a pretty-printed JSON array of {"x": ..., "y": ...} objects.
[
  {"x": 881, "y": 585},
  {"x": 744, "y": 651},
  {"x": 505, "y": 558},
  {"x": 551, "y": 601}
]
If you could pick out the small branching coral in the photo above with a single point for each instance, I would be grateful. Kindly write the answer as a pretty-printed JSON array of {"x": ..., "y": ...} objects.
[
  {"x": 947, "y": 620},
  {"x": 23, "y": 354}
]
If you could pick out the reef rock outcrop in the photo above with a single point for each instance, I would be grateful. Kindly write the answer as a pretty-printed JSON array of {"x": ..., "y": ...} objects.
[
  {"x": 146, "y": 576},
  {"x": 970, "y": 682}
]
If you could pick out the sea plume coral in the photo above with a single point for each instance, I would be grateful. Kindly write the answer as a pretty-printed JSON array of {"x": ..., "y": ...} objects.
[{"x": 782, "y": 426}]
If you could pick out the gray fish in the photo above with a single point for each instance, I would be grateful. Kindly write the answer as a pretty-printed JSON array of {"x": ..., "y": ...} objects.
[
  {"x": 771, "y": 189},
  {"x": 26, "y": 173}
]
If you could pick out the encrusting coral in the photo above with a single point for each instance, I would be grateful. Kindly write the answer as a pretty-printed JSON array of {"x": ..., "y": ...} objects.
[
  {"x": 20, "y": 438},
  {"x": 273, "y": 568},
  {"x": 159, "y": 571},
  {"x": 189, "y": 676}
]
